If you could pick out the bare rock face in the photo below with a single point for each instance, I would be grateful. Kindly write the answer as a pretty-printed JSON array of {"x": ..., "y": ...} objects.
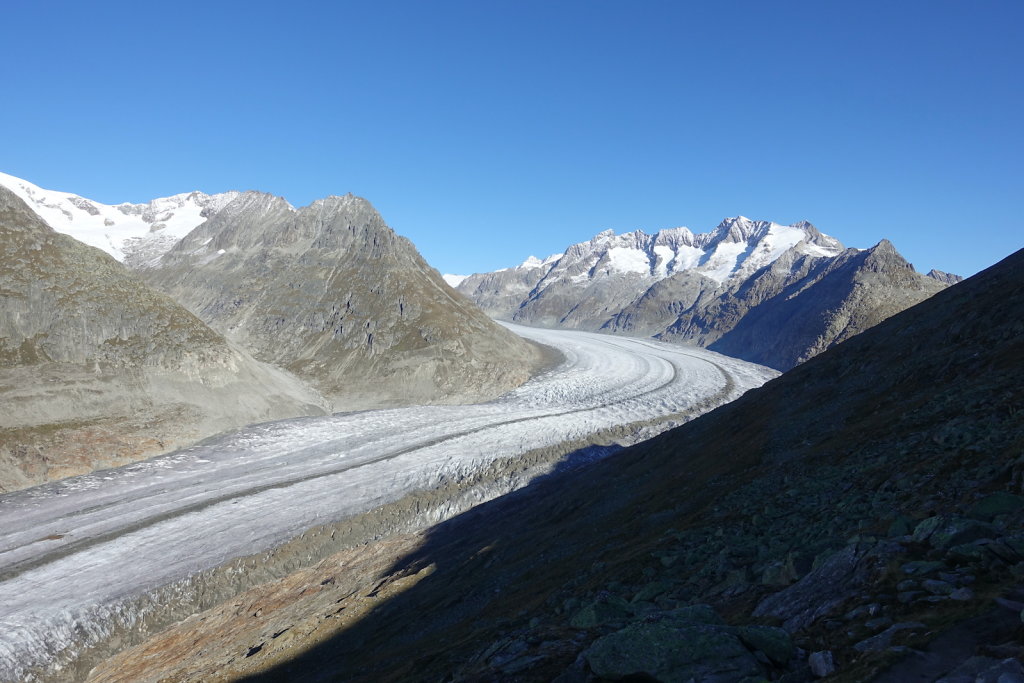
[
  {"x": 97, "y": 369},
  {"x": 948, "y": 278},
  {"x": 330, "y": 293},
  {"x": 844, "y": 296},
  {"x": 760, "y": 291}
]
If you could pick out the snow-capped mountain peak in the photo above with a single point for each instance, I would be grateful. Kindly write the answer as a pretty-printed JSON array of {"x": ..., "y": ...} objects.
[
  {"x": 735, "y": 249},
  {"x": 136, "y": 234}
]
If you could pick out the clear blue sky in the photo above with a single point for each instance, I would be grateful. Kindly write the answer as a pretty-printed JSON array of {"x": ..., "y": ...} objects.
[{"x": 489, "y": 130}]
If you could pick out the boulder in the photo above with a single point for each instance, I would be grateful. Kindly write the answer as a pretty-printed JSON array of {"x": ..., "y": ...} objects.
[
  {"x": 994, "y": 505},
  {"x": 822, "y": 663},
  {"x": 670, "y": 653}
]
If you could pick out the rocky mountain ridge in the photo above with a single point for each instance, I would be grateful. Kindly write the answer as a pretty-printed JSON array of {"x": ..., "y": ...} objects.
[
  {"x": 331, "y": 293},
  {"x": 341, "y": 313},
  {"x": 698, "y": 288},
  {"x": 99, "y": 370}
]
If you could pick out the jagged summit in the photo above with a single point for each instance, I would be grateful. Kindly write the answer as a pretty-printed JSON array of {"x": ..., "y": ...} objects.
[
  {"x": 716, "y": 254},
  {"x": 948, "y": 278},
  {"x": 698, "y": 287}
]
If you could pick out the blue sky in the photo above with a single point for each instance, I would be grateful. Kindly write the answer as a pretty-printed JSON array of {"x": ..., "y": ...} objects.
[{"x": 487, "y": 131}]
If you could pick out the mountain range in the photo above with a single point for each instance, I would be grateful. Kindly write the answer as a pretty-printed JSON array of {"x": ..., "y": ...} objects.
[
  {"x": 769, "y": 293},
  {"x": 860, "y": 514},
  {"x": 269, "y": 312}
]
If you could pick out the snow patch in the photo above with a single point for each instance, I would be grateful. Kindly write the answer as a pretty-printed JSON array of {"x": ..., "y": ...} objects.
[
  {"x": 123, "y": 229},
  {"x": 723, "y": 261},
  {"x": 628, "y": 260}
]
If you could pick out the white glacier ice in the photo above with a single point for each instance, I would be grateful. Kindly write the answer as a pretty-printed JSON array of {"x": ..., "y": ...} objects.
[{"x": 73, "y": 552}]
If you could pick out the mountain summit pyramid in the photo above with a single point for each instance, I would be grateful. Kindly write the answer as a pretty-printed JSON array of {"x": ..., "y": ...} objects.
[{"x": 331, "y": 293}]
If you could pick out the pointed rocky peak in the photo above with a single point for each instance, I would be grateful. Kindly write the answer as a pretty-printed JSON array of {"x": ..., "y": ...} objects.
[
  {"x": 947, "y": 278},
  {"x": 336, "y": 202},
  {"x": 583, "y": 249},
  {"x": 255, "y": 202},
  {"x": 532, "y": 262},
  {"x": 637, "y": 239},
  {"x": 884, "y": 257},
  {"x": 738, "y": 229},
  {"x": 674, "y": 237},
  {"x": 345, "y": 211},
  {"x": 884, "y": 249}
]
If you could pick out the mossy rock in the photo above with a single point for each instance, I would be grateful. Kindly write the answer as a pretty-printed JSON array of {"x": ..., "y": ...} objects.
[
  {"x": 774, "y": 642},
  {"x": 960, "y": 531},
  {"x": 922, "y": 567},
  {"x": 651, "y": 591},
  {"x": 601, "y": 611},
  {"x": 996, "y": 504},
  {"x": 693, "y": 614},
  {"x": 671, "y": 654}
]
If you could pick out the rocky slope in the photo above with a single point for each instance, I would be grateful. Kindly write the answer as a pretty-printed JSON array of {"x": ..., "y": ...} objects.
[
  {"x": 861, "y": 517},
  {"x": 941, "y": 276},
  {"x": 135, "y": 234},
  {"x": 807, "y": 290},
  {"x": 97, "y": 369},
  {"x": 789, "y": 319},
  {"x": 331, "y": 293}
]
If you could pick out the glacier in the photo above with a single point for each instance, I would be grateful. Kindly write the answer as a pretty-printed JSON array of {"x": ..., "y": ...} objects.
[{"x": 74, "y": 554}]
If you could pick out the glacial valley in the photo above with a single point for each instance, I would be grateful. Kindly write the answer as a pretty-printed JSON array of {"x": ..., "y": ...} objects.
[{"x": 166, "y": 523}]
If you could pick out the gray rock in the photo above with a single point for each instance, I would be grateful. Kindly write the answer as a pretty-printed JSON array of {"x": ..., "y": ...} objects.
[
  {"x": 937, "y": 587},
  {"x": 986, "y": 670},
  {"x": 822, "y": 663},
  {"x": 824, "y": 588},
  {"x": 947, "y": 278},
  {"x": 883, "y": 640},
  {"x": 599, "y": 612},
  {"x": 960, "y": 531},
  {"x": 774, "y": 642},
  {"x": 922, "y": 567},
  {"x": 995, "y": 504},
  {"x": 879, "y": 623},
  {"x": 693, "y": 614},
  {"x": 672, "y": 654}
]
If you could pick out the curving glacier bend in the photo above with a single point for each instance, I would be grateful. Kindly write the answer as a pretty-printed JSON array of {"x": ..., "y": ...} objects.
[{"x": 72, "y": 552}]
